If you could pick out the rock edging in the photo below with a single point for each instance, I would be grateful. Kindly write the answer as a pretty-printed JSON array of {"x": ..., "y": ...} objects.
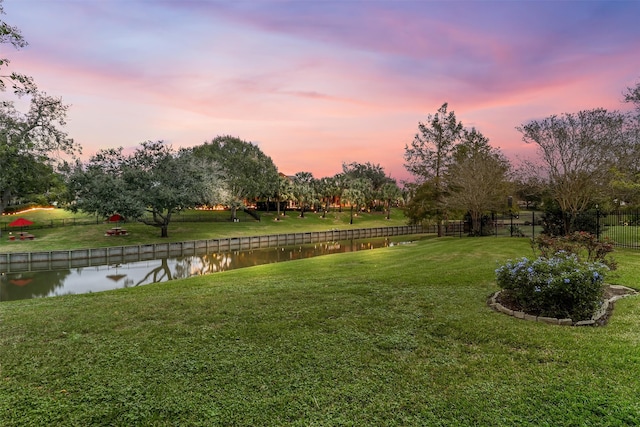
[{"x": 600, "y": 314}]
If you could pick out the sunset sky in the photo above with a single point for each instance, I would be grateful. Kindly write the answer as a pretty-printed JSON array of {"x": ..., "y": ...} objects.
[{"x": 319, "y": 83}]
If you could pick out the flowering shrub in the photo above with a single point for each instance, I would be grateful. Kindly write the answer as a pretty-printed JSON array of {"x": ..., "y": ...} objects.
[
  {"x": 561, "y": 286},
  {"x": 585, "y": 245}
]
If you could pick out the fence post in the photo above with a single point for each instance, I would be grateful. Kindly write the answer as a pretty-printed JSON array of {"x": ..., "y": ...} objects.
[
  {"x": 511, "y": 224},
  {"x": 533, "y": 224},
  {"x": 597, "y": 223}
]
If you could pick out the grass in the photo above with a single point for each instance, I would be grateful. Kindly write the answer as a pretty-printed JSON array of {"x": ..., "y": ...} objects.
[
  {"x": 395, "y": 337},
  {"x": 210, "y": 225},
  {"x": 625, "y": 235}
]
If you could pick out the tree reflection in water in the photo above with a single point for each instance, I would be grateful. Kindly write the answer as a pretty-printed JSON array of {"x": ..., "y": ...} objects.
[
  {"x": 35, "y": 284},
  {"x": 16, "y": 286}
]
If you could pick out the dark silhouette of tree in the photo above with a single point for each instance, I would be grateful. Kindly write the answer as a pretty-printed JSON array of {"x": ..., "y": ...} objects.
[{"x": 429, "y": 156}]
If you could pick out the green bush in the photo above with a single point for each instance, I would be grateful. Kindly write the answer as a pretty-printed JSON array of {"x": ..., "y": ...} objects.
[
  {"x": 561, "y": 286},
  {"x": 585, "y": 246},
  {"x": 555, "y": 221}
]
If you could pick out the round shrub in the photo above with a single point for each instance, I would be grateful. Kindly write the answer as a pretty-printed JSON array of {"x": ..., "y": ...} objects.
[{"x": 561, "y": 286}]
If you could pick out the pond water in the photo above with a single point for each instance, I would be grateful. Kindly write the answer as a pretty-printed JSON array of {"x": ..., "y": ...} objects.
[{"x": 36, "y": 284}]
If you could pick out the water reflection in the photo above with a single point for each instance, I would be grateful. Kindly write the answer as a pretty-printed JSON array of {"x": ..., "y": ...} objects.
[{"x": 35, "y": 284}]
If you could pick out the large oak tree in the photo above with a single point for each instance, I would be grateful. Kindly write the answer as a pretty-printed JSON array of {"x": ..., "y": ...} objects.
[
  {"x": 246, "y": 173},
  {"x": 149, "y": 185}
]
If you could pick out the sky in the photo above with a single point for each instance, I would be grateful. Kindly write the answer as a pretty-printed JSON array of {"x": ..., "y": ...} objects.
[{"x": 316, "y": 84}]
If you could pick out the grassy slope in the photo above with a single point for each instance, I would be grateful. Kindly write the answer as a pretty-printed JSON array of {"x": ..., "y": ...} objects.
[
  {"x": 92, "y": 236},
  {"x": 396, "y": 336}
]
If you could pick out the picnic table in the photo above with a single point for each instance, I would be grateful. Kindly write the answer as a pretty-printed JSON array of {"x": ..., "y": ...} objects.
[
  {"x": 116, "y": 231},
  {"x": 22, "y": 236}
]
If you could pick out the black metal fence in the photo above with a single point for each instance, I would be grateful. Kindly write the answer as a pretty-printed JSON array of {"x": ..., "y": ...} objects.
[
  {"x": 621, "y": 226},
  {"x": 522, "y": 224}
]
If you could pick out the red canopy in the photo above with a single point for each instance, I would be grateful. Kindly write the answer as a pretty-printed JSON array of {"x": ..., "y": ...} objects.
[
  {"x": 20, "y": 222},
  {"x": 115, "y": 218}
]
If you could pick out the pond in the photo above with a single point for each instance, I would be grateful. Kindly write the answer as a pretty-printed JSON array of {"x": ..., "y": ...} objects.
[{"x": 36, "y": 284}]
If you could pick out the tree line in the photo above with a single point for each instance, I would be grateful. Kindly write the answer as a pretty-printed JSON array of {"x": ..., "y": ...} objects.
[
  {"x": 156, "y": 181},
  {"x": 456, "y": 172},
  {"x": 585, "y": 160}
]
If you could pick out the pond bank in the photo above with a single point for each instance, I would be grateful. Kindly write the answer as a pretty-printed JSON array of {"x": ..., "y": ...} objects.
[{"x": 47, "y": 260}]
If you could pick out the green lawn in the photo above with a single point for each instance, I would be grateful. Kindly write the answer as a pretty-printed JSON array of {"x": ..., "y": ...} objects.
[
  {"x": 210, "y": 225},
  {"x": 400, "y": 336},
  {"x": 624, "y": 235}
]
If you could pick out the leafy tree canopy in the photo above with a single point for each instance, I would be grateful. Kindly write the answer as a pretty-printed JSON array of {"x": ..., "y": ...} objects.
[
  {"x": 478, "y": 179},
  {"x": 577, "y": 152},
  {"x": 633, "y": 95},
  {"x": 429, "y": 157},
  {"x": 9, "y": 34},
  {"x": 246, "y": 172},
  {"x": 372, "y": 172},
  {"x": 31, "y": 143},
  {"x": 430, "y": 152},
  {"x": 150, "y": 185}
]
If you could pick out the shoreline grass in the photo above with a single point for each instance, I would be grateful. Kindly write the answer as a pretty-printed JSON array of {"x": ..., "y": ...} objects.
[{"x": 396, "y": 336}]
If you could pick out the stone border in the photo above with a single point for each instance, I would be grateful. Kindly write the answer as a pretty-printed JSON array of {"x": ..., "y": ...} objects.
[{"x": 493, "y": 303}]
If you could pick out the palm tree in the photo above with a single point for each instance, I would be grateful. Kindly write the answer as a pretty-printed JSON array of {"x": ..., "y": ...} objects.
[
  {"x": 304, "y": 189},
  {"x": 284, "y": 192},
  {"x": 327, "y": 189},
  {"x": 353, "y": 196},
  {"x": 390, "y": 192}
]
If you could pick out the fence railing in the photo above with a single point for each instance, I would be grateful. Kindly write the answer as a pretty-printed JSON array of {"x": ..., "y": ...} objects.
[
  {"x": 621, "y": 226},
  {"x": 49, "y": 260},
  {"x": 522, "y": 224}
]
